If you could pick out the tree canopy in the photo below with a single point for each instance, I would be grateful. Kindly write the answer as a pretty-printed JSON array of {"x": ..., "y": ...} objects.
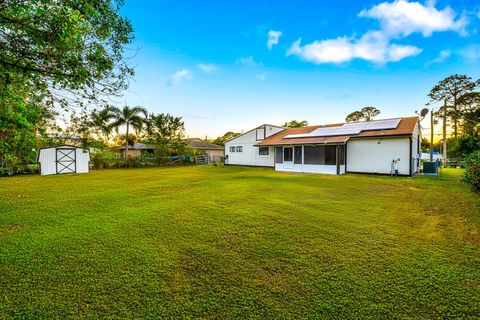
[
  {"x": 129, "y": 117},
  {"x": 449, "y": 91},
  {"x": 227, "y": 136},
  {"x": 366, "y": 114},
  {"x": 166, "y": 133},
  {"x": 66, "y": 51},
  {"x": 295, "y": 124}
]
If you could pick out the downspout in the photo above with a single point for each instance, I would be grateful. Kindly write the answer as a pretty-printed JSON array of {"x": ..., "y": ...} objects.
[
  {"x": 345, "y": 155},
  {"x": 338, "y": 159},
  {"x": 410, "y": 159}
]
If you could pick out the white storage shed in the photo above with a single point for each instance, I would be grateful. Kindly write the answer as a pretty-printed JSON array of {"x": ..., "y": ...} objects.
[{"x": 63, "y": 159}]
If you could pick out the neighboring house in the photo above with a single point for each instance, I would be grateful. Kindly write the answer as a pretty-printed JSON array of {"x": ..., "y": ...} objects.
[
  {"x": 137, "y": 150},
  {"x": 426, "y": 156},
  {"x": 242, "y": 150},
  {"x": 213, "y": 151},
  {"x": 379, "y": 147}
]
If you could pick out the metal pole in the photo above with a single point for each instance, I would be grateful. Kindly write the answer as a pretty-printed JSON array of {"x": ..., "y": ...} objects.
[
  {"x": 444, "y": 132},
  {"x": 431, "y": 135}
]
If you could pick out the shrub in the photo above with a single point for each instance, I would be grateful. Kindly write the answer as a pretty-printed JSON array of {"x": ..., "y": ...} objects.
[{"x": 472, "y": 174}]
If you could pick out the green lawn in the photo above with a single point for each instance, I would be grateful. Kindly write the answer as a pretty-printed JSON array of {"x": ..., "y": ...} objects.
[{"x": 231, "y": 242}]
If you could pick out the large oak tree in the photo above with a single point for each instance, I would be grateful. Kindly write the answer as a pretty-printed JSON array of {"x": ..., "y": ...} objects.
[{"x": 69, "y": 51}]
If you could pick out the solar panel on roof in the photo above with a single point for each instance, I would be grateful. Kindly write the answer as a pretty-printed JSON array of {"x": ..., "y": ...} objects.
[{"x": 349, "y": 129}]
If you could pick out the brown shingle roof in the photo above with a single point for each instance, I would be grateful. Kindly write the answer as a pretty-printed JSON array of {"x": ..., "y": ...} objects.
[
  {"x": 196, "y": 143},
  {"x": 405, "y": 127}
]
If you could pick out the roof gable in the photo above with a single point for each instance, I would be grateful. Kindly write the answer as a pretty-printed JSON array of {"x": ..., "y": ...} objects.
[{"x": 263, "y": 125}]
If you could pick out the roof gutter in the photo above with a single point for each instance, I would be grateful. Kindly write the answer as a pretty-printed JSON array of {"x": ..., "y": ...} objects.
[{"x": 300, "y": 144}]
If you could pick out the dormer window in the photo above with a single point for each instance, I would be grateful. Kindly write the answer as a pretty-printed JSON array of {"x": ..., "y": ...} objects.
[{"x": 261, "y": 133}]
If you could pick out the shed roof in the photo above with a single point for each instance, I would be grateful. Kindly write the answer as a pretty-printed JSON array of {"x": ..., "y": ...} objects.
[
  {"x": 197, "y": 143},
  {"x": 63, "y": 146},
  {"x": 404, "y": 127}
]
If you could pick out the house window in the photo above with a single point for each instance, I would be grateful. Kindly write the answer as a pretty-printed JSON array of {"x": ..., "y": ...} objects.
[
  {"x": 263, "y": 151},
  {"x": 232, "y": 149},
  {"x": 278, "y": 155},
  {"x": 298, "y": 155},
  {"x": 260, "y": 133},
  {"x": 239, "y": 149},
  {"x": 288, "y": 154}
]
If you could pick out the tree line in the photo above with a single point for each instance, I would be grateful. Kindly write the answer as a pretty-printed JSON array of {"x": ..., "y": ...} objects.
[{"x": 100, "y": 129}]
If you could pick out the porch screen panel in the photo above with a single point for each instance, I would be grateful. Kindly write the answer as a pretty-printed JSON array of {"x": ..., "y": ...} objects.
[
  {"x": 314, "y": 155},
  {"x": 341, "y": 154},
  {"x": 330, "y": 155},
  {"x": 278, "y": 155},
  {"x": 287, "y": 154},
  {"x": 297, "y": 159}
]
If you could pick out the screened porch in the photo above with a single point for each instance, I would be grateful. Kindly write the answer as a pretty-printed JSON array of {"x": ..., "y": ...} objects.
[{"x": 329, "y": 158}]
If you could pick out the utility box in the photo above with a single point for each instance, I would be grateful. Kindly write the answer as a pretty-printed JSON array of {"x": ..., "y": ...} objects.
[{"x": 430, "y": 167}]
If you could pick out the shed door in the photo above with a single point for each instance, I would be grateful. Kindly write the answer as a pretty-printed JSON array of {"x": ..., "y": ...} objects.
[{"x": 66, "y": 160}]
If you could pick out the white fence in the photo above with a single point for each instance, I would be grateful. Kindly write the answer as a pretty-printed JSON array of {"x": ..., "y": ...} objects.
[{"x": 206, "y": 159}]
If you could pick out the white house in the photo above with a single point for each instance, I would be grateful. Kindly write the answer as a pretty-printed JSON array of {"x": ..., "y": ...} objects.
[
  {"x": 242, "y": 150},
  {"x": 63, "y": 159},
  {"x": 390, "y": 146}
]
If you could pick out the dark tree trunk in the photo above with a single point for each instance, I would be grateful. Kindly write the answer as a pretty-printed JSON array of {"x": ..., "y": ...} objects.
[{"x": 455, "y": 120}]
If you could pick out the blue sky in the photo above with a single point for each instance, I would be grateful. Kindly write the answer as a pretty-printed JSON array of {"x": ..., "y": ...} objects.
[{"x": 232, "y": 65}]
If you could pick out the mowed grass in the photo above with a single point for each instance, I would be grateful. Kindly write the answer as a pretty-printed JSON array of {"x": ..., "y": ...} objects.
[{"x": 232, "y": 242}]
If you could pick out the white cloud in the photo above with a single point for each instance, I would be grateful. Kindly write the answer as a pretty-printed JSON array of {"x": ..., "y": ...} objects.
[
  {"x": 180, "y": 76},
  {"x": 372, "y": 46},
  {"x": 207, "y": 68},
  {"x": 443, "y": 55},
  {"x": 397, "y": 52},
  {"x": 273, "y": 37},
  {"x": 247, "y": 61},
  {"x": 470, "y": 53},
  {"x": 402, "y": 18},
  {"x": 398, "y": 19},
  {"x": 261, "y": 76}
]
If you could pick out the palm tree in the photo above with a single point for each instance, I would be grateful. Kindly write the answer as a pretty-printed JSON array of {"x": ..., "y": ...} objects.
[
  {"x": 128, "y": 117},
  {"x": 101, "y": 121}
]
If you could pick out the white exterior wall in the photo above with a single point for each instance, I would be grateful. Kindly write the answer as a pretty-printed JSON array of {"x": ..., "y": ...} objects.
[
  {"x": 250, "y": 156},
  {"x": 47, "y": 162},
  {"x": 309, "y": 168},
  {"x": 375, "y": 155},
  {"x": 83, "y": 158}
]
